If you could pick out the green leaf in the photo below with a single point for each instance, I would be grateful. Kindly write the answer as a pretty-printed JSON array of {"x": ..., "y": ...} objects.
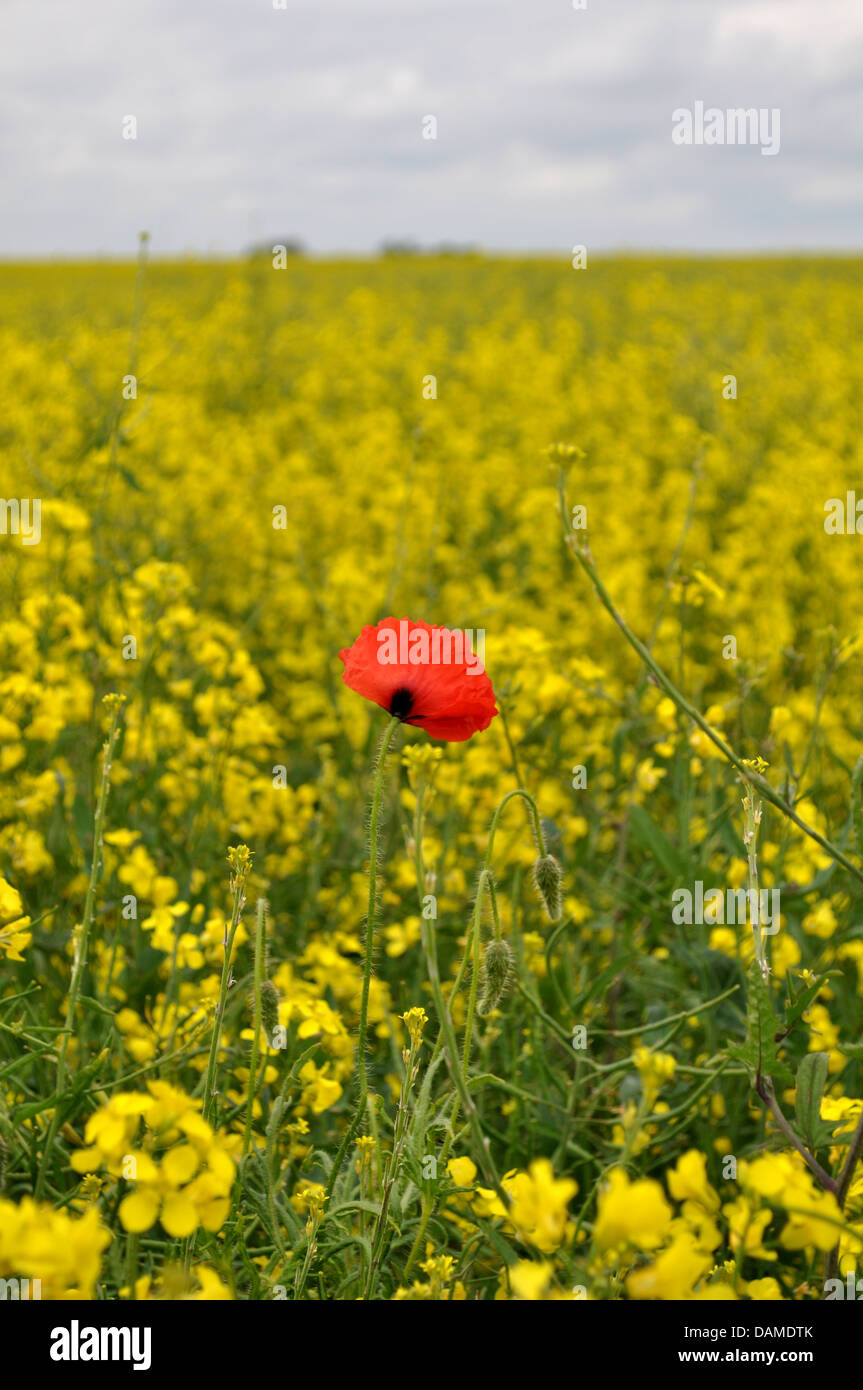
[
  {"x": 798, "y": 1006},
  {"x": 95, "y": 1005},
  {"x": 602, "y": 979},
  {"x": 811, "y": 1080},
  {"x": 759, "y": 1053},
  {"x": 129, "y": 478},
  {"x": 657, "y": 844}
]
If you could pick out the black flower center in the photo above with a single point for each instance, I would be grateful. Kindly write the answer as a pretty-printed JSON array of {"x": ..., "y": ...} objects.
[{"x": 401, "y": 702}]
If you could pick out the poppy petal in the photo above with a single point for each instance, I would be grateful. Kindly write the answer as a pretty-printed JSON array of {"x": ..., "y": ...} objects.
[{"x": 427, "y": 676}]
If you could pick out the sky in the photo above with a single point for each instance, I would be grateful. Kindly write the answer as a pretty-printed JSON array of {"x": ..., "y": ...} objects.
[{"x": 554, "y": 124}]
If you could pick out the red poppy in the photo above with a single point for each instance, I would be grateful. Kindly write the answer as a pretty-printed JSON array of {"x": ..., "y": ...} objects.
[{"x": 427, "y": 676}]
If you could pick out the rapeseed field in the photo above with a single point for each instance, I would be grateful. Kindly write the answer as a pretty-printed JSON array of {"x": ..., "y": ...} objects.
[{"x": 542, "y": 981}]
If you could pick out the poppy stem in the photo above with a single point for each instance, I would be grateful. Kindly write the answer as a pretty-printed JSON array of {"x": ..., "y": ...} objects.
[
  {"x": 451, "y": 1055},
  {"x": 371, "y": 922},
  {"x": 533, "y": 815},
  {"x": 473, "y": 947},
  {"x": 446, "y": 1041}
]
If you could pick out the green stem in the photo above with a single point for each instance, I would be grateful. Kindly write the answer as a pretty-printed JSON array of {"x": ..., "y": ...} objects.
[
  {"x": 450, "y": 1048},
  {"x": 210, "y": 1089},
  {"x": 428, "y": 1204},
  {"x": 471, "y": 952},
  {"x": 371, "y": 920},
  {"x": 131, "y": 1262},
  {"x": 582, "y": 554},
  {"x": 765, "y": 1091},
  {"x": 533, "y": 813},
  {"x": 446, "y": 1037},
  {"x": 476, "y": 929},
  {"x": 260, "y": 958},
  {"x": 399, "y": 1131},
  {"x": 80, "y": 960}
]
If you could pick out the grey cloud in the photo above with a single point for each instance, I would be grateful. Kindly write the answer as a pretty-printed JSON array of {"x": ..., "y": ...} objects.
[{"x": 554, "y": 124}]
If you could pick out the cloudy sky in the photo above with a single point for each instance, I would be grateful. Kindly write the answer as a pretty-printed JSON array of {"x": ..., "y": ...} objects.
[{"x": 553, "y": 124}]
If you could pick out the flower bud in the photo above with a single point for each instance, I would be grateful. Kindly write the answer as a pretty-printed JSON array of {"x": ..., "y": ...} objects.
[
  {"x": 496, "y": 976},
  {"x": 548, "y": 876},
  {"x": 269, "y": 1008}
]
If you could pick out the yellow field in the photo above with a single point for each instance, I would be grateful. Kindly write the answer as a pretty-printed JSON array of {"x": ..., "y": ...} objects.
[{"x": 238, "y": 467}]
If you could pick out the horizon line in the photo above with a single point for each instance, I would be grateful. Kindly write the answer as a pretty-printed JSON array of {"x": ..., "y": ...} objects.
[{"x": 443, "y": 251}]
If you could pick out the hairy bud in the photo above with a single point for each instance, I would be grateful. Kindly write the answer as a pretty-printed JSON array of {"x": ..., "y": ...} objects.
[
  {"x": 548, "y": 876},
  {"x": 269, "y": 1008},
  {"x": 495, "y": 977}
]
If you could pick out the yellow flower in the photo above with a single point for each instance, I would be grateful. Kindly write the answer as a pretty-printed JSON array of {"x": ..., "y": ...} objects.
[
  {"x": 746, "y": 1227},
  {"x": 784, "y": 1179},
  {"x": 824, "y": 1036},
  {"x": 190, "y": 1187},
  {"x": 756, "y": 764},
  {"x": 240, "y": 859},
  {"x": 654, "y": 1068},
  {"x": 666, "y": 714},
  {"x": 821, "y": 920},
  {"x": 421, "y": 760},
  {"x": 14, "y": 939},
  {"x": 14, "y": 934},
  {"x": 320, "y": 1090},
  {"x": 109, "y": 1132},
  {"x": 176, "y": 1285},
  {"x": 63, "y": 1252},
  {"x": 440, "y": 1267},
  {"x": 400, "y": 936},
  {"x": 138, "y": 871},
  {"x": 762, "y": 1290},
  {"x": 186, "y": 1185},
  {"x": 539, "y": 1204},
  {"x": 462, "y": 1171},
  {"x": 415, "y": 1021},
  {"x": 688, "y": 1181},
  {"x": 631, "y": 1213},
  {"x": 673, "y": 1274},
  {"x": 648, "y": 776},
  {"x": 161, "y": 919},
  {"x": 529, "y": 1279},
  {"x": 310, "y": 1199}
]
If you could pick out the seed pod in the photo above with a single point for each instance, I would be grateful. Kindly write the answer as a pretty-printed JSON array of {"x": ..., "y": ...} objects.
[
  {"x": 495, "y": 977},
  {"x": 548, "y": 876}
]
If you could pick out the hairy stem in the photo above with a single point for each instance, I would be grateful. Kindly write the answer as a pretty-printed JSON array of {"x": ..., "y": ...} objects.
[{"x": 371, "y": 920}]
